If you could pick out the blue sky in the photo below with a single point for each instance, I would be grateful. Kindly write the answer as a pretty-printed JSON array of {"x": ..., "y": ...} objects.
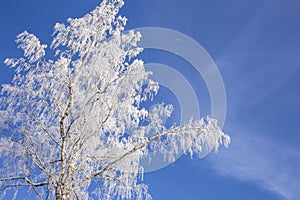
[{"x": 256, "y": 46}]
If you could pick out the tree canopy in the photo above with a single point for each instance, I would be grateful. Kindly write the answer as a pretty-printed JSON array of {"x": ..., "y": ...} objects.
[{"x": 71, "y": 125}]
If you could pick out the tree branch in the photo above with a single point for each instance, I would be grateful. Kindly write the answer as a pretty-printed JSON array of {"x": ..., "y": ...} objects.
[{"x": 151, "y": 139}]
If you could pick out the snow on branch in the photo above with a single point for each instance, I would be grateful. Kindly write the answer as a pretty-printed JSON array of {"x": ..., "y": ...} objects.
[
  {"x": 31, "y": 46},
  {"x": 71, "y": 127}
]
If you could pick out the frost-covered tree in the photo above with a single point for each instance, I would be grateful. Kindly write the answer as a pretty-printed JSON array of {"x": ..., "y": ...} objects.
[{"x": 65, "y": 122}]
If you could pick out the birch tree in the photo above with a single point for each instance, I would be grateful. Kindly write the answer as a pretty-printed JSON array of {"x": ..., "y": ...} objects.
[{"x": 65, "y": 121}]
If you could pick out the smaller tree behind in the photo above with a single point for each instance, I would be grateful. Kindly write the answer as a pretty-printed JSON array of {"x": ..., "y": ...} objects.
[{"x": 65, "y": 122}]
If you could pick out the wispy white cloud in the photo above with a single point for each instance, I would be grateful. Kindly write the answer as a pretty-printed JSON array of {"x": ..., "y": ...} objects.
[
  {"x": 253, "y": 158},
  {"x": 255, "y": 66}
]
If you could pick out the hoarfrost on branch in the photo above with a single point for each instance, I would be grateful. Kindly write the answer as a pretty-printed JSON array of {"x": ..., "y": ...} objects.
[{"x": 65, "y": 122}]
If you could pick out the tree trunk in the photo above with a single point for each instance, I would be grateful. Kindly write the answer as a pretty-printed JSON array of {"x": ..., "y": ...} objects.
[{"x": 61, "y": 194}]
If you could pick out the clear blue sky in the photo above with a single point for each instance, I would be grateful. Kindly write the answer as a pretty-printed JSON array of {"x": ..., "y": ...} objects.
[{"x": 256, "y": 46}]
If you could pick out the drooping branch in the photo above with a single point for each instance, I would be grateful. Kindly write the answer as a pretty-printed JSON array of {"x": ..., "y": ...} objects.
[
  {"x": 176, "y": 130},
  {"x": 27, "y": 182}
]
